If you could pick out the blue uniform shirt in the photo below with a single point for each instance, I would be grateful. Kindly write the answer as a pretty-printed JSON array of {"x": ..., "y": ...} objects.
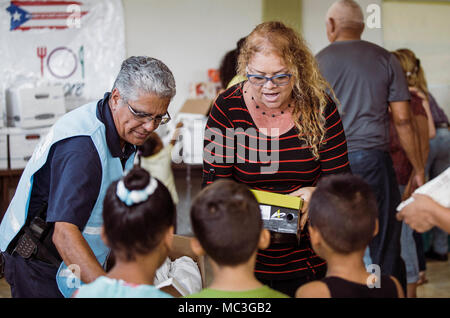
[{"x": 70, "y": 179}]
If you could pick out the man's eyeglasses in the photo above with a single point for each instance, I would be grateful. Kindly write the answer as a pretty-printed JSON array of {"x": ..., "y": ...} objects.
[
  {"x": 279, "y": 80},
  {"x": 144, "y": 117}
]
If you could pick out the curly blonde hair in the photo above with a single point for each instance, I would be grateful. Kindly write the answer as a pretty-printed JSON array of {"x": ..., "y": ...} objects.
[
  {"x": 415, "y": 76},
  {"x": 309, "y": 89}
]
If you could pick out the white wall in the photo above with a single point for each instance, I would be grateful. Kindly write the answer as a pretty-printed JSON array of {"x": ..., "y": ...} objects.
[
  {"x": 313, "y": 23},
  {"x": 189, "y": 36},
  {"x": 424, "y": 29}
]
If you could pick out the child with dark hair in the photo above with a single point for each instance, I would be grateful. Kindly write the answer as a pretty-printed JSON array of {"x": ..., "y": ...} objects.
[
  {"x": 342, "y": 221},
  {"x": 228, "y": 67},
  {"x": 157, "y": 160},
  {"x": 138, "y": 226},
  {"x": 228, "y": 227}
]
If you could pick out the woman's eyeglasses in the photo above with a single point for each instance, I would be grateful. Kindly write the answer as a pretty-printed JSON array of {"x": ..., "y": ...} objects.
[
  {"x": 279, "y": 80},
  {"x": 144, "y": 117}
]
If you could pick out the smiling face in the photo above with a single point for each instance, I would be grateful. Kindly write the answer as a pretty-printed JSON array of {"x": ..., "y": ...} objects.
[
  {"x": 270, "y": 95},
  {"x": 131, "y": 129}
]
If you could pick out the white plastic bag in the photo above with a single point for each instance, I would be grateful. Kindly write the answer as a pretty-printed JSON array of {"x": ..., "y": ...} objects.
[
  {"x": 187, "y": 274},
  {"x": 162, "y": 274},
  {"x": 183, "y": 274}
]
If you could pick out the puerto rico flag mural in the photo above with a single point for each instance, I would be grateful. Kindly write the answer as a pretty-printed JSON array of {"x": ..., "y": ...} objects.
[
  {"x": 78, "y": 44},
  {"x": 27, "y": 15}
]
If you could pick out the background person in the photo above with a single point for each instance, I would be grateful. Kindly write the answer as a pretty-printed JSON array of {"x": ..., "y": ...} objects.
[
  {"x": 228, "y": 67},
  {"x": 375, "y": 83},
  {"x": 157, "y": 160},
  {"x": 65, "y": 181},
  {"x": 278, "y": 132},
  {"x": 424, "y": 128},
  {"x": 439, "y": 149}
]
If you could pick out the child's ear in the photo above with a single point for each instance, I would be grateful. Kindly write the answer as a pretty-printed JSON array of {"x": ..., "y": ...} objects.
[
  {"x": 197, "y": 247},
  {"x": 264, "y": 239},
  {"x": 103, "y": 236},
  {"x": 314, "y": 235},
  {"x": 375, "y": 232},
  {"x": 168, "y": 238}
]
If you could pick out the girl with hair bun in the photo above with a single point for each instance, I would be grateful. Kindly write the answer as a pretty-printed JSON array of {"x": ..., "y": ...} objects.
[{"x": 139, "y": 218}]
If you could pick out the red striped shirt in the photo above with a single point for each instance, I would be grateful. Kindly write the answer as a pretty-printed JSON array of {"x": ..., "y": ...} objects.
[{"x": 279, "y": 164}]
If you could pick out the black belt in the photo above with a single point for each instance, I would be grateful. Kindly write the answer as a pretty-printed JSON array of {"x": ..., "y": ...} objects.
[{"x": 442, "y": 125}]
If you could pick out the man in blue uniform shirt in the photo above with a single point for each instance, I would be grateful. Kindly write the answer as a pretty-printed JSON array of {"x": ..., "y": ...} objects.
[{"x": 65, "y": 181}]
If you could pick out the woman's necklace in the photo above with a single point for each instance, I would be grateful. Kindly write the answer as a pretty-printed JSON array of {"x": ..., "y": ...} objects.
[
  {"x": 264, "y": 112},
  {"x": 272, "y": 115}
]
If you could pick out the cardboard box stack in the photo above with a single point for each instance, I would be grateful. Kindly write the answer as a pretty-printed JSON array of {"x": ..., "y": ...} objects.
[{"x": 22, "y": 143}]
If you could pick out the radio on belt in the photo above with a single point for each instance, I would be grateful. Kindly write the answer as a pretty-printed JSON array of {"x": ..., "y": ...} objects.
[{"x": 280, "y": 212}]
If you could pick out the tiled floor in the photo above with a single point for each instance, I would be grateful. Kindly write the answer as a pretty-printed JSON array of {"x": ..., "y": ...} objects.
[{"x": 438, "y": 286}]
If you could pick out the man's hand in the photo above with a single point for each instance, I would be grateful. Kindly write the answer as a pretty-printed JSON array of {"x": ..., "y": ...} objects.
[
  {"x": 74, "y": 249},
  {"x": 418, "y": 213}
]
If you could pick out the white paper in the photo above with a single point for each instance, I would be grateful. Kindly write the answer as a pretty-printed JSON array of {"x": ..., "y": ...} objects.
[{"x": 438, "y": 189}]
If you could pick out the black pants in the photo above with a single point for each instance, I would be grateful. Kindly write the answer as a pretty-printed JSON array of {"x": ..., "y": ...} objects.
[
  {"x": 375, "y": 167},
  {"x": 30, "y": 278}
]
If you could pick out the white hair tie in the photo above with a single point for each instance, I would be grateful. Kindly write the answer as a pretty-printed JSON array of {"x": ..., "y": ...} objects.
[{"x": 135, "y": 196}]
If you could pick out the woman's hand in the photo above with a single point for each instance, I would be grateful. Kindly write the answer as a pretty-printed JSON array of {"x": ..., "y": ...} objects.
[
  {"x": 304, "y": 193},
  {"x": 417, "y": 91}
]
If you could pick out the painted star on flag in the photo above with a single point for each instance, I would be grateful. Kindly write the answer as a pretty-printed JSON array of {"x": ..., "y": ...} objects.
[{"x": 18, "y": 16}]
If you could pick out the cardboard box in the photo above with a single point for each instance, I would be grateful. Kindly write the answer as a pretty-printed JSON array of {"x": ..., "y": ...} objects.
[
  {"x": 3, "y": 149},
  {"x": 182, "y": 247},
  {"x": 207, "y": 90},
  {"x": 196, "y": 106},
  {"x": 22, "y": 143},
  {"x": 28, "y": 107},
  {"x": 193, "y": 115}
]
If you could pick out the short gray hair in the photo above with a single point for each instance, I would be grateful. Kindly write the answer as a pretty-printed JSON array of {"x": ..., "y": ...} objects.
[{"x": 142, "y": 75}]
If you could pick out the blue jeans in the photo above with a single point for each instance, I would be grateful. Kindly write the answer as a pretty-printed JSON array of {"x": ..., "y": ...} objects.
[
  {"x": 409, "y": 250},
  {"x": 409, "y": 254},
  {"x": 438, "y": 161},
  {"x": 375, "y": 167}
]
